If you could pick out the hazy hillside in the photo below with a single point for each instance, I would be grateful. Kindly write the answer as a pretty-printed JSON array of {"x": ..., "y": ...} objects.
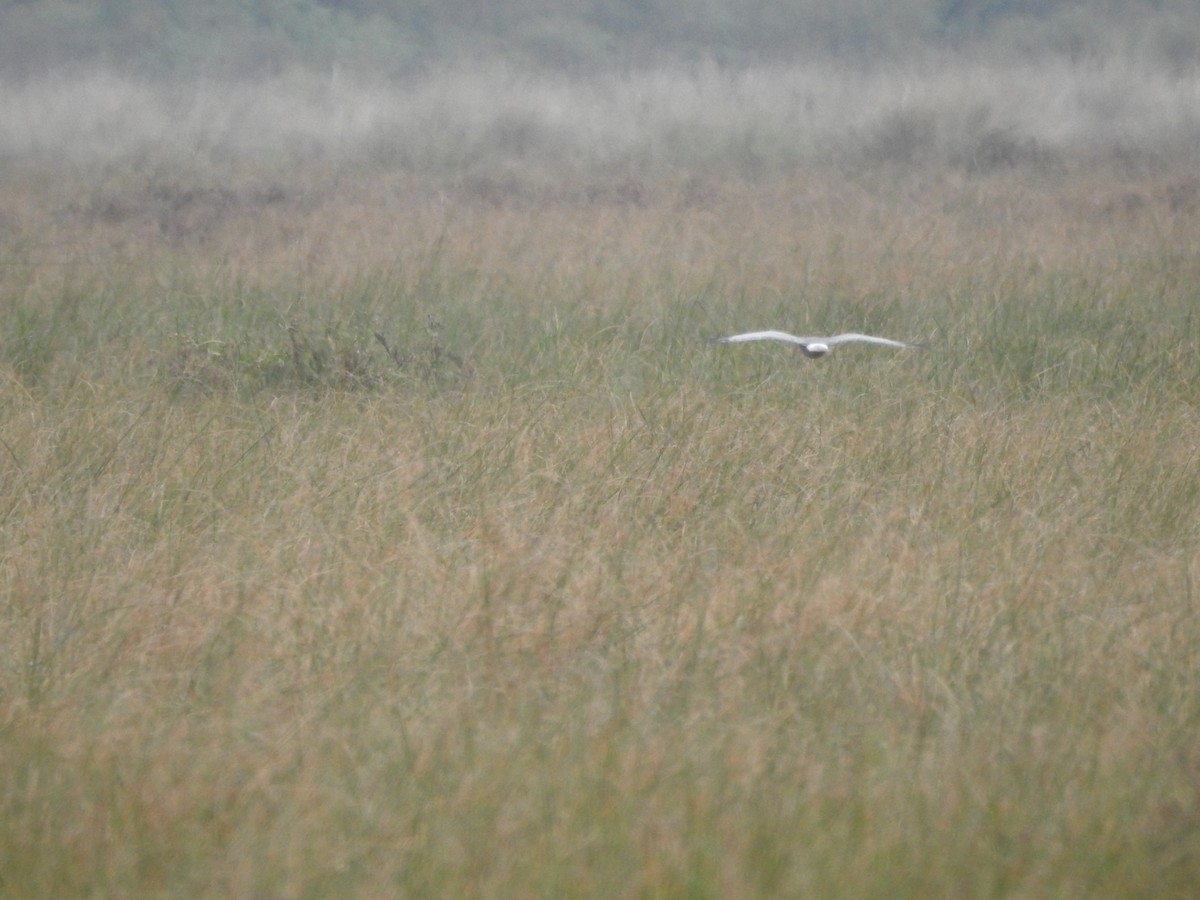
[{"x": 236, "y": 37}]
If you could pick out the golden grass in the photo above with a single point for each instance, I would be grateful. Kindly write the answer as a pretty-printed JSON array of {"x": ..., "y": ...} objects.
[{"x": 600, "y": 611}]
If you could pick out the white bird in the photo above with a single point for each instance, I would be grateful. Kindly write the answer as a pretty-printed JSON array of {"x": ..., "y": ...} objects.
[{"x": 812, "y": 347}]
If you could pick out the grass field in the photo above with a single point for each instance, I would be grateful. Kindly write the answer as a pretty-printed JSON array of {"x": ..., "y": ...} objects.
[{"x": 371, "y": 531}]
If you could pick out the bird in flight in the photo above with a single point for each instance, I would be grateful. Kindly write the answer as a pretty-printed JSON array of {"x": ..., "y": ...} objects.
[{"x": 813, "y": 347}]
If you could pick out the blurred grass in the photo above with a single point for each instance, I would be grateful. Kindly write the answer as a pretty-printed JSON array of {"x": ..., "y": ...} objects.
[{"x": 373, "y": 535}]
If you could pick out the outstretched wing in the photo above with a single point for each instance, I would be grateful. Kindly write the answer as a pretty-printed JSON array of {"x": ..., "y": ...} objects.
[
  {"x": 853, "y": 337},
  {"x": 781, "y": 336}
]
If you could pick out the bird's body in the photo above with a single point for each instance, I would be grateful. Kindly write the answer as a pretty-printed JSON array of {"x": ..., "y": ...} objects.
[{"x": 812, "y": 346}]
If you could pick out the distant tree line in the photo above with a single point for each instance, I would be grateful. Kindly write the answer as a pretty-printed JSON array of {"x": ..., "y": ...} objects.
[{"x": 164, "y": 38}]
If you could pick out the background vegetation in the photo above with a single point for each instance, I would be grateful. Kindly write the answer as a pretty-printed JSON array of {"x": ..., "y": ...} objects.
[
  {"x": 238, "y": 38},
  {"x": 375, "y": 521}
]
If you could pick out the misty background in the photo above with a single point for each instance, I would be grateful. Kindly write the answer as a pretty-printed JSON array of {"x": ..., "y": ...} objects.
[
  {"x": 748, "y": 86},
  {"x": 253, "y": 38}
]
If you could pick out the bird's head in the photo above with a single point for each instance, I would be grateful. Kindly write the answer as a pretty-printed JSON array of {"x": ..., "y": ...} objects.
[{"x": 815, "y": 349}]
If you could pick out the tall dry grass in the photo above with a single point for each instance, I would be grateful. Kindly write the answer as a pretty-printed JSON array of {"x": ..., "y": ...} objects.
[{"x": 372, "y": 533}]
